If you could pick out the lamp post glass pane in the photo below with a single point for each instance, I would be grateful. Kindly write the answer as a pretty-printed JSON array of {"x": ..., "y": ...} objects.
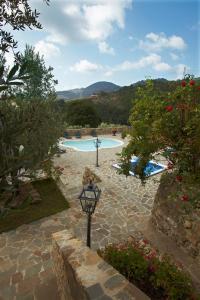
[
  {"x": 89, "y": 197},
  {"x": 88, "y": 206},
  {"x": 97, "y": 143}
]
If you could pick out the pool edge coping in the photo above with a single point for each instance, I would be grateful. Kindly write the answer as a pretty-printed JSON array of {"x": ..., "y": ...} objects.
[{"x": 92, "y": 139}]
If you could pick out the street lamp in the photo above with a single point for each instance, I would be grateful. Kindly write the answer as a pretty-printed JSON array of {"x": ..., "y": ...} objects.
[
  {"x": 88, "y": 198},
  {"x": 97, "y": 144}
]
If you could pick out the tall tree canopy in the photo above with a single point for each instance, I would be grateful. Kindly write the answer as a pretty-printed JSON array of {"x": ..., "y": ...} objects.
[
  {"x": 82, "y": 112},
  {"x": 30, "y": 124},
  {"x": 28, "y": 137},
  {"x": 40, "y": 82}
]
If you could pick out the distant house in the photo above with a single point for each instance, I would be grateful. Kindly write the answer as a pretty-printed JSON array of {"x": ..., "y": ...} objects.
[{"x": 94, "y": 96}]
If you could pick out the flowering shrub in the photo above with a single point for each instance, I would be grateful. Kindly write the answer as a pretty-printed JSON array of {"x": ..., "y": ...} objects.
[
  {"x": 168, "y": 124},
  {"x": 153, "y": 273}
]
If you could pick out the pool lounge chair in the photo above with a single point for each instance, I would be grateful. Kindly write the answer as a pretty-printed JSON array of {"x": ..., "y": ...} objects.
[
  {"x": 78, "y": 134},
  {"x": 93, "y": 133},
  {"x": 67, "y": 135}
]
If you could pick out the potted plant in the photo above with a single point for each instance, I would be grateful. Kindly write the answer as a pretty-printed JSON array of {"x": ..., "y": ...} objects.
[{"x": 114, "y": 131}]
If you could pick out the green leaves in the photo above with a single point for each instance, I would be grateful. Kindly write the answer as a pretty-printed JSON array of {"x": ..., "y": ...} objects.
[
  {"x": 12, "y": 73},
  {"x": 158, "y": 278},
  {"x": 82, "y": 113},
  {"x": 1, "y": 71},
  {"x": 161, "y": 119},
  {"x": 15, "y": 77},
  {"x": 3, "y": 88},
  {"x": 18, "y": 15},
  {"x": 38, "y": 79}
]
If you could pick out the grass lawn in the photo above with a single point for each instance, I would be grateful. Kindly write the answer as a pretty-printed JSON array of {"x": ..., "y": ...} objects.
[{"x": 52, "y": 202}]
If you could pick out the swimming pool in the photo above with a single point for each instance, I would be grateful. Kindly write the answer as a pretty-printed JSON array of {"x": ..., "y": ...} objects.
[
  {"x": 88, "y": 145},
  {"x": 152, "y": 167}
]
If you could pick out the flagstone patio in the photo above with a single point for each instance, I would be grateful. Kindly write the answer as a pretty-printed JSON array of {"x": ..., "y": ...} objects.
[{"x": 123, "y": 210}]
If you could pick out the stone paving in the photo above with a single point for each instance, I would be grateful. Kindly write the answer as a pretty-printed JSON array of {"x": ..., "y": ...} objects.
[
  {"x": 124, "y": 209},
  {"x": 125, "y": 204}
]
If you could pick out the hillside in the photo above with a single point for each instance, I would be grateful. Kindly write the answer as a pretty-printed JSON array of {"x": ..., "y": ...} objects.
[
  {"x": 93, "y": 89},
  {"x": 115, "y": 107}
]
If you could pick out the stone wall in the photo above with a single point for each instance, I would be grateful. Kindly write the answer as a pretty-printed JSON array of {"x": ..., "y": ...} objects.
[
  {"x": 83, "y": 275},
  {"x": 99, "y": 131},
  {"x": 175, "y": 219}
]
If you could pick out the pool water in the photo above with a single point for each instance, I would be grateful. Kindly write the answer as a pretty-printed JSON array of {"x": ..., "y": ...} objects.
[
  {"x": 152, "y": 168},
  {"x": 88, "y": 145}
]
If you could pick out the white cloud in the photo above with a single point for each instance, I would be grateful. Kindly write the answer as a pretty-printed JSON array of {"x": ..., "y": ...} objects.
[
  {"x": 48, "y": 50},
  {"x": 130, "y": 37},
  {"x": 85, "y": 66},
  {"x": 72, "y": 10},
  {"x": 176, "y": 42},
  {"x": 108, "y": 73},
  {"x": 152, "y": 36},
  {"x": 70, "y": 20},
  {"x": 162, "y": 67},
  {"x": 174, "y": 56},
  {"x": 158, "y": 42},
  {"x": 143, "y": 62},
  {"x": 105, "y": 48},
  {"x": 152, "y": 60}
]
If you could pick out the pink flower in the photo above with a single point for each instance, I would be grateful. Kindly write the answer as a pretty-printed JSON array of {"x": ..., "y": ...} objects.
[
  {"x": 175, "y": 154},
  {"x": 185, "y": 198},
  {"x": 183, "y": 83},
  {"x": 152, "y": 269},
  {"x": 192, "y": 82},
  {"x": 151, "y": 255},
  {"x": 169, "y": 108},
  {"x": 169, "y": 166},
  {"x": 179, "y": 178}
]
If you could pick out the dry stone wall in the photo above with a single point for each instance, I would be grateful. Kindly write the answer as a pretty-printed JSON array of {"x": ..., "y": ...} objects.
[
  {"x": 176, "y": 221},
  {"x": 99, "y": 131},
  {"x": 82, "y": 274}
]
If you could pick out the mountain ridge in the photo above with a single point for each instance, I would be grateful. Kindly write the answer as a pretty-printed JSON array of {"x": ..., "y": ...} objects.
[{"x": 95, "y": 88}]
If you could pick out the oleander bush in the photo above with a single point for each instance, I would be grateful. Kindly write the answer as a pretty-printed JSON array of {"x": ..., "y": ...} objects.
[
  {"x": 166, "y": 123},
  {"x": 157, "y": 275}
]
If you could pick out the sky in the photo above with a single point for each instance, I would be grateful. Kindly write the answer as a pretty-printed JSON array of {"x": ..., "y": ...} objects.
[{"x": 121, "y": 41}]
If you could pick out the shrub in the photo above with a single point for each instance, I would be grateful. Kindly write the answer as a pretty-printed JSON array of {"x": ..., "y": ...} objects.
[
  {"x": 163, "y": 121},
  {"x": 175, "y": 284},
  {"x": 128, "y": 262},
  {"x": 156, "y": 275},
  {"x": 123, "y": 134}
]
